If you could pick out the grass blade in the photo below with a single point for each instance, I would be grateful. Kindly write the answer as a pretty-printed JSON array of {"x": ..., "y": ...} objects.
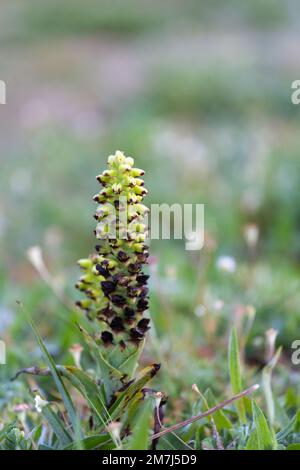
[
  {"x": 139, "y": 440},
  {"x": 56, "y": 377},
  {"x": 265, "y": 437},
  {"x": 57, "y": 425},
  {"x": 235, "y": 373}
]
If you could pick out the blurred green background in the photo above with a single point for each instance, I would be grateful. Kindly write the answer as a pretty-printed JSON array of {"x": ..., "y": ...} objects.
[{"x": 199, "y": 93}]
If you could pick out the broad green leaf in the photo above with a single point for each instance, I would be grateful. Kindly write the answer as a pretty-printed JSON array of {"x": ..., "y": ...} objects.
[
  {"x": 88, "y": 389},
  {"x": 140, "y": 433},
  {"x": 125, "y": 397},
  {"x": 252, "y": 442},
  {"x": 265, "y": 436},
  {"x": 235, "y": 373},
  {"x": 90, "y": 442},
  {"x": 126, "y": 363}
]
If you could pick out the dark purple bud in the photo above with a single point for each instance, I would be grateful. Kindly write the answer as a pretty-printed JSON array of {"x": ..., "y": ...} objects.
[
  {"x": 142, "y": 257},
  {"x": 136, "y": 335},
  {"x": 129, "y": 312},
  {"x": 108, "y": 287},
  {"x": 107, "y": 338},
  {"x": 134, "y": 268},
  {"x": 101, "y": 270},
  {"x": 142, "y": 279},
  {"x": 117, "y": 324},
  {"x": 142, "y": 325},
  {"x": 118, "y": 300},
  {"x": 132, "y": 291},
  {"x": 122, "y": 345},
  {"x": 122, "y": 256},
  {"x": 107, "y": 312},
  {"x": 155, "y": 369},
  {"x": 142, "y": 305},
  {"x": 121, "y": 279},
  {"x": 144, "y": 292}
]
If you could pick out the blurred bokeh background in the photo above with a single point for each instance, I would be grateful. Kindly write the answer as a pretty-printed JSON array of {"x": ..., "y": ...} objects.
[{"x": 199, "y": 93}]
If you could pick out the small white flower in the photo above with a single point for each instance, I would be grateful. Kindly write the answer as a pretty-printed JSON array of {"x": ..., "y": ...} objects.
[
  {"x": 200, "y": 311},
  {"x": 218, "y": 305},
  {"x": 251, "y": 234},
  {"x": 196, "y": 389},
  {"x": 115, "y": 429},
  {"x": 39, "y": 403},
  {"x": 76, "y": 350},
  {"x": 158, "y": 398},
  {"x": 226, "y": 264},
  {"x": 35, "y": 256}
]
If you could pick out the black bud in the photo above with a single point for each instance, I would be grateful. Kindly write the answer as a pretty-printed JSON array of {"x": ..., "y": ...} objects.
[
  {"x": 142, "y": 325},
  {"x": 108, "y": 287},
  {"x": 117, "y": 324},
  {"x": 135, "y": 334},
  {"x": 118, "y": 300},
  {"x": 144, "y": 292},
  {"x": 107, "y": 338},
  {"x": 142, "y": 305},
  {"x": 142, "y": 257},
  {"x": 122, "y": 256},
  {"x": 132, "y": 291},
  {"x": 129, "y": 312},
  {"x": 120, "y": 279},
  {"x": 142, "y": 279},
  {"x": 134, "y": 268},
  {"x": 107, "y": 312},
  {"x": 102, "y": 270}
]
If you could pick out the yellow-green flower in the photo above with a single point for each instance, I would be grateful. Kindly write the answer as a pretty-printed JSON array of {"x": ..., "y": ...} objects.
[{"x": 113, "y": 281}]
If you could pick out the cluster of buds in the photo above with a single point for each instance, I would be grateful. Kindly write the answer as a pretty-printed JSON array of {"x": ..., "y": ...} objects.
[{"x": 113, "y": 281}]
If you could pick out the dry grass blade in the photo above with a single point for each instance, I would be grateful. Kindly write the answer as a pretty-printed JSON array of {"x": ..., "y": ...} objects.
[{"x": 191, "y": 420}]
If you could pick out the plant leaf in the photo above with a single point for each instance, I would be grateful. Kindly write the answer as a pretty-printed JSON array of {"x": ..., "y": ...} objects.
[
  {"x": 125, "y": 397},
  {"x": 220, "y": 418},
  {"x": 140, "y": 434},
  {"x": 59, "y": 427},
  {"x": 295, "y": 446},
  {"x": 281, "y": 435},
  {"x": 265, "y": 437},
  {"x": 56, "y": 377},
  {"x": 235, "y": 373},
  {"x": 252, "y": 442},
  {"x": 90, "y": 442}
]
